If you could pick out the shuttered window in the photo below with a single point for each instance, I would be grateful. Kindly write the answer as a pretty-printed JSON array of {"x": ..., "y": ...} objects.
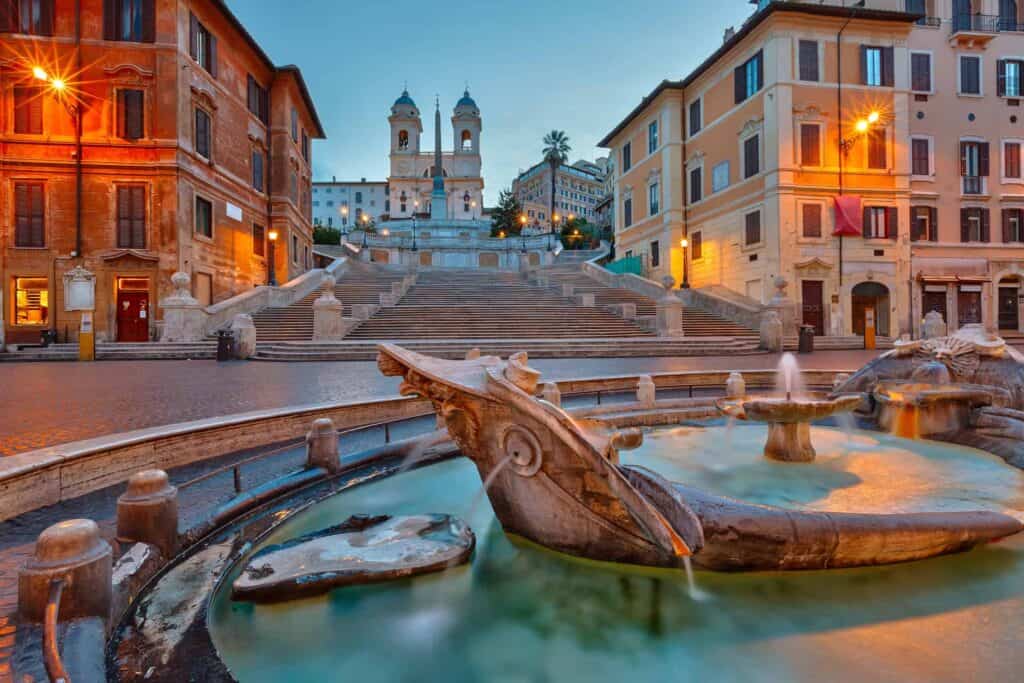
[
  {"x": 627, "y": 212},
  {"x": 257, "y": 170},
  {"x": 694, "y": 117},
  {"x": 751, "y": 156},
  {"x": 305, "y": 146},
  {"x": 878, "y": 157},
  {"x": 204, "y": 217},
  {"x": 295, "y": 125},
  {"x": 924, "y": 223},
  {"x": 31, "y": 17},
  {"x": 29, "y": 215},
  {"x": 655, "y": 254},
  {"x": 920, "y": 157},
  {"x": 877, "y": 66},
  {"x": 809, "y": 60},
  {"x": 696, "y": 184},
  {"x": 202, "y": 45},
  {"x": 1008, "y": 77},
  {"x": 748, "y": 77},
  {"x": 131, "y": 116},
  {"x": 880, "y": 222},
  {"x": 131, "y": 217},
  {"x": 752, "y": 228},
  {"x": 696, "y": 246},
  {"x": 259, "y": 240},
  {"x": 974, "y": 224},
  {"x": 28, "y": 111},
  {"x": 810, "y": 144},
  {"x": 1013, "y": 225},
  {"x": 259, "y": 100},
  {"x": 970, "y": 75},
  {"x": 1011, "y": 160},
  {"x": 920, "y": 72},
  {"x": 627, "y": 157},
  {"x": 202, "y": 133},
  {"x": 811, "y": 220},
  {"x": 129, "y": 20}
]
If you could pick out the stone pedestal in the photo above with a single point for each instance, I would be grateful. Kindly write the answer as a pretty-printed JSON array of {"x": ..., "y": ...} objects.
[
  {"x": 322, "y": 446},
  {"x": 627, "y": 310},
  {"x": 669, "y": 311},
  {"x": 934, "y": 326},
  {"x": 73, "y": 551},
  {"x": 184, "y": 316},
  {"x": 327, "y": 322},
  {"x": 551, "y": 394},
  {"x": 735, "y": 386},
  {"x": 148, "y": 512},
  {"x": 585, "y": 300},
  {"x": 363, "y": 311},
  {"x": 789, "y": 442},
  {"x": 784, "y": 307},
  {"x": 568, "y": 291},
  {"x": 771, "y": 331},
  {"x": 244, "y": 331},
  {"x": 646, "y": 392}
]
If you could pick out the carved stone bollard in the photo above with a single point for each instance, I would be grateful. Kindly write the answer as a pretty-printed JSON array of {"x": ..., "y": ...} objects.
[
  {"x": 148, "y": 512},
  {"x": 552, "y": 394},
  {"x": 628, "y": 310},
  {"x": 586, "y": 300},
  {"x": 646, "y": 392},
  {"x": 839, "y": 380},
  {"x": 184, "y": 316},
  {"x": 244, "y": 331},
  {"x": 327, "y": 322},
  {"x": 669, "y": 311},
  {"x": 322, "y": 446},
  {"x": 735, "y": 386},
  {"x": 771, "y": 331},
  {"x": 934, "y": 326},
  {"x": 73, "y": 551}
]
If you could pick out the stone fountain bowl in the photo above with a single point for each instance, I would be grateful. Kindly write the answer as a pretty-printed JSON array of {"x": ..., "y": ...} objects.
[
  {"x": 921, "y": 394},
  {"x": 784, "y": 410}
]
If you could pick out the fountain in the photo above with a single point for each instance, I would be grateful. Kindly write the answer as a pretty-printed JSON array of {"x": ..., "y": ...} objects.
[{"x": 789, "y": 417}]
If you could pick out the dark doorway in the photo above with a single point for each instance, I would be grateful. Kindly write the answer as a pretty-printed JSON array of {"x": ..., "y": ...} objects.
[
  {"x": 968, "y": 305},
  {"x": 133, "y": 310},
  {"x": 875, "y": 296},
  {"x": 813, "y": 305},
  {"x": 935, "y": 301},
  {"x": 1008, "y": 315}
]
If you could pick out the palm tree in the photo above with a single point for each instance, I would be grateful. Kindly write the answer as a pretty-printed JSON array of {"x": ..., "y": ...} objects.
[{"x": 556, "y": 153}]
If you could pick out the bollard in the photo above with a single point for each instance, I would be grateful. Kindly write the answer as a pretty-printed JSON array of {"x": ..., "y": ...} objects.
[
  {"x": 72, "y": 551},
  {"x": 551, "y": 394},
  {"x": 148, "y": 512},
  {"x": 735, "y": 386},
  {"x": 322, "y": 446},
  {"x": 646, "y": 392}
]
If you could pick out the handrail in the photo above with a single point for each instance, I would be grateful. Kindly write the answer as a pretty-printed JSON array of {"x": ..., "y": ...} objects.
[{"x": 51, "y": 650}]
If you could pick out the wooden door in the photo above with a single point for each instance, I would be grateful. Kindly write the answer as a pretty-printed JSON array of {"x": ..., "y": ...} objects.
[
  {"x": 132, "y": 316},
  {"x": 814, "y": 305},
  {"x": 1008, "y": 318},
  {"x": 860, "y": 304},
  {"x": 969, "y": 307}
]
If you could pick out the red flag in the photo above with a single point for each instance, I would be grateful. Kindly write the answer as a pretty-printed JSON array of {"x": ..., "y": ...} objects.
[{"x": 848, "y": 216}]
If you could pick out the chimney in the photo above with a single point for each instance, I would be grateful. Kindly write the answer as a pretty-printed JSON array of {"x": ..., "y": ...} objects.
[
  {"x": 334, "y": 178},
  {"x": 363, "y": 180},
  {"x": 729, "y": 33}
]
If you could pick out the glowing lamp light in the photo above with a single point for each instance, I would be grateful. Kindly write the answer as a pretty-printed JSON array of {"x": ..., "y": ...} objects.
[
  {"x": 39, "y": 73},
  {"x": 873, "y": 117},
  {"x": 862, "y": 126},
  {"x": 272, "y": 235},
  {"x": 522, "y": 219},
  {"x": 384, "y": 232},
  {"x": 58, "y": 84},
  {"x": 684, "y": 243}
]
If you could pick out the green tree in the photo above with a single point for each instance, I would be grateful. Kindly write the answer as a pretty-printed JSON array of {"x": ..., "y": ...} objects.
[
  {"x": 325, "y": 235},
  {"x": 505, "y": 216},
  {"x": 556, "y": 153}
]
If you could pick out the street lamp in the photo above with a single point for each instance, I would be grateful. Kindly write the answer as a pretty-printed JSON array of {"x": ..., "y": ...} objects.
[
  {"x": 415, "y": 208},
  {"x": 685, "y": 243},
  {"x": 365, "y": 218},
  {"x": 861, "y": 127},
  {"x": 272, "y": 237},
  {"x": 344, "y": 222},
  {"x": 59, "y": 87},
  {"x": 522, "y": 230}
]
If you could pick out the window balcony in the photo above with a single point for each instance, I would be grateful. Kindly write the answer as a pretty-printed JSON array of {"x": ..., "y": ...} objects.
[
  {"x": 974, "y": 29},
  {"x": 974, "y": 184}
]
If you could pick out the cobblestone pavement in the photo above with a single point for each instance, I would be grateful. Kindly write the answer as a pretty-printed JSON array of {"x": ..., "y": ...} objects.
[{"x": 45, "y": 404}]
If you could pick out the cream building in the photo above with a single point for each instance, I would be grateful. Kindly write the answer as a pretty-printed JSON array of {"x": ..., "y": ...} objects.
[
  {"x": 747, "y": 156},
  {"x": 579, "y": 188}
]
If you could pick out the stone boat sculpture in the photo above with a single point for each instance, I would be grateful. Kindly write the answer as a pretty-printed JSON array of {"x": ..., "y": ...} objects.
[{"x": 556, "y": 481}]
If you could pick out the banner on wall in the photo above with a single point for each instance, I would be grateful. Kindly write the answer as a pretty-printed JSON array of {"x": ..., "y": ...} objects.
[{"x": 848, "y": 216}]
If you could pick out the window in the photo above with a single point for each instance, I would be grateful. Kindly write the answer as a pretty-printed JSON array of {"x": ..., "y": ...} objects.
[
  {"x": 467, "y": 141},
  {"x": 809, "y": 60},
  {"x": 876, "y": 65},
  {"x": 654, "y": 197},
  {"x": 696, "y": 184},
  {"x": 359, "y": 197},
  {"x": 720, "y": 176},
  {"x": 295, "y": 249},
  {"x": 202, "y": 46},
  {"x": 29, "y": 215},
  {"x": 696, "y": 246},
  {"x": 305, "y": 256},
  {"x": 129, "y": 20},
  {"x": 295, "y": 125},
  {"x": 204, "y": 217},
  {"x": 202, "y": 133},
  {"x": 810, "y": 144},
  {"x": 652, "y": 137},
  {"x": 811, "y": 220},
  {"x": 695, "y": 117},
  {"x": 921, "y": 157},
  {"x": 1008, "y": 16},
  {"x": 752, "y": 228},
  {"x": 748, "y": 77},
  {"x": 924, "y": 223},
  {"x": 974, "y": 166},
  {"x": 627, "y": 157},
  {"x": 974, "y": 224},
  {"x": 1008, "y": 77},
  {"x": 920, "y": 71},
  {"x": 751, "y": 156},
  {"x": 31, "y": 301},
  {"x": 1013, "y": 225},
  {"x": 880, "y": 222},
  {"x": 131, "y": 217},
  {"x": 627, "y": 212},
  {"x": 1011, "y": 160},
  {"x": 130, "y": 114},
  {"x": 28, "y": 110},
  {"x": 403, "y": 139},
  {"x": 33, "y": 17},
  {"x": 259, "y": 240},
  {"x": 258, "y": 160},
  {"x": 305, "y": 146},
  {"x": 259, "y": 100},
  {"x": 655, "y": 254},
  {"x": 970, "y": 75},
  {"x": 878, "y": 157}
]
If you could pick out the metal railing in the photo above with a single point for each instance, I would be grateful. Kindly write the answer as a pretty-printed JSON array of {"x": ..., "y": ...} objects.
[
  {"x": 973, "y": 184},
  {"x": 51, "y": 649},
  {"x": 975, "y": 23}
]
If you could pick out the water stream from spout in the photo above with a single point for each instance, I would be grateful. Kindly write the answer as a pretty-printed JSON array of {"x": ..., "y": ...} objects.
[
  {"x": 789, "y": 382},
  {"x": 487, "y": 484},
  {"x": 691, "y": 583}
]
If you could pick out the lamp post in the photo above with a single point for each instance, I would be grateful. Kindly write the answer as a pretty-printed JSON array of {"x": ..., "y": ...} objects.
[
  {"x": 522, "y": 230},
  {"x": 271, "y": 263},
  {"x": 365, "y": 219},
  {"x": 59, "y": 87},
  {"x": 344, "y": 222},
  {"x": 415, "y": 207},
  {"x": 685, "y": 243}
]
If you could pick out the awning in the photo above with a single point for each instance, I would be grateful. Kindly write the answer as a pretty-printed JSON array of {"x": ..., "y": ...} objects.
[{"x": 848, "y": 216}]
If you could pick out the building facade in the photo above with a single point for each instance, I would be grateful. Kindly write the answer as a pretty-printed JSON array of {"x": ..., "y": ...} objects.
[
  {"x": 342, "y": 205},
  {"x": 140, "y": 139},
  {"x": 579, "y": 188},
  {"x": 890, "y": 190}
]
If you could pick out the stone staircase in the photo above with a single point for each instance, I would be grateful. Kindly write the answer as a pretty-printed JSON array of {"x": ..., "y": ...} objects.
[
  {"x": 295, "y": 322},
  {"x": 123, "y": 351}
]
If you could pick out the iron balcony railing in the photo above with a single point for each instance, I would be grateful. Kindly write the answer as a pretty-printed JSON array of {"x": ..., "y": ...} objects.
[
  {"x": 973, "y": 184},
  {"x": 975, "y": 23}
]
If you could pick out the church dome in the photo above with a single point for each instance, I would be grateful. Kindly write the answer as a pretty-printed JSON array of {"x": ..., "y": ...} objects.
[
  {"x": 467, "y": 105},
  {"x": 405, "y": 105}
]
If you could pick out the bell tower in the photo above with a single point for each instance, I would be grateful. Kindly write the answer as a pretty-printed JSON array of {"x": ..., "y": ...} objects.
[{"x": 406, "y": 127}]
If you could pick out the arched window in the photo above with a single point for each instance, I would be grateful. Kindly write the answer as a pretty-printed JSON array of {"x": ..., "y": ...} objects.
[
  {"x": 403, "y": 139},
  {"x": 467, "y": 141}
]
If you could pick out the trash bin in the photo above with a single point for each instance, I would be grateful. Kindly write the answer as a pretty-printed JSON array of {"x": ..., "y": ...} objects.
[
  {"x": 225, "y": 345},
  {"x": 806, "y": 339},
  {"x": 47, "y": 337}
]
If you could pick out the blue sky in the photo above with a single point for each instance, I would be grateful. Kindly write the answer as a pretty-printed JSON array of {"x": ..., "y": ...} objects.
[{"x": 531, "y": 65}]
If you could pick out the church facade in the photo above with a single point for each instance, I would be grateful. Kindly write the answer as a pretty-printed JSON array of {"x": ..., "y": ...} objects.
[{"x": 411, "y": 182}]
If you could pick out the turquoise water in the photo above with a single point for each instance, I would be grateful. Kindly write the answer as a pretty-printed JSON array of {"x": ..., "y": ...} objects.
[{"x": 518, "y": 613}]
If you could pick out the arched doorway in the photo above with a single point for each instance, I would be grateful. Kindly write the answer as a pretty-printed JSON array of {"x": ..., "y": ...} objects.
[
  {"x": 1009, "y": 303},
  {"x": 874, "y": 296}
]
